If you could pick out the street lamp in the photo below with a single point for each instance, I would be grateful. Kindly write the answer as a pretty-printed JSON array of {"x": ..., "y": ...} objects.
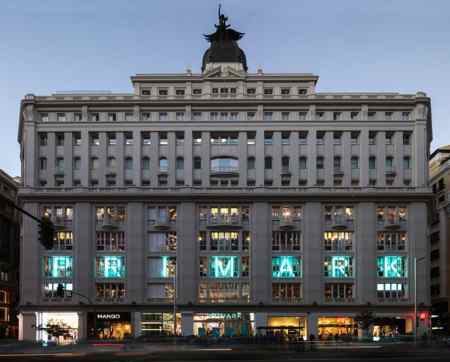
[{"x": 416, "y": 260}]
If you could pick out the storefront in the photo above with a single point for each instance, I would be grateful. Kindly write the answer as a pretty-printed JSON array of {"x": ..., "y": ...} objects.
[
  {"x": 223, "y": 324},
  {"x": 61, "y": 328},
  {"x": 392, "y": 327},
  {"x": 331, "y": 327},
  {"x": 109, "y": 325},
  {"x": 293, "y": 326},
  {"x": 159, "y": 324}
]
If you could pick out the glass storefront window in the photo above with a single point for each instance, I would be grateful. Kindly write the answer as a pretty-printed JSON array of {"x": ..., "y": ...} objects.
[
  {"x": 338, "y": 266},
  {"x": 63, "y": 324},
  {"x": 392, "y": 266},
  {"x": 110, "y": 266},
  {"x": 286, "y": 292},
  {"x": 223, "y": 266},
  {"x": 330, "y": 327},
  {"x": 58, "y": 266},
  {"x": 286, "y": 267}
]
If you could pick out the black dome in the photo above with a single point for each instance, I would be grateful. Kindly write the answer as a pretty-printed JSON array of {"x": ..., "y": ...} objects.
[{"x": 224, "y": 47}]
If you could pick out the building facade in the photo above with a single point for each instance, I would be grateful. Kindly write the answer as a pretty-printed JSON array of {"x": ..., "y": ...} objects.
[
  {"x": 9, "y": 257},
  {"x": 246, "y": 202},
  {"x": 439, "y": 239}
]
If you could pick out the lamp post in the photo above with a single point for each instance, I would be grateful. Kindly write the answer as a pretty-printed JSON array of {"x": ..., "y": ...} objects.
[{"x": 416, "y": 260}]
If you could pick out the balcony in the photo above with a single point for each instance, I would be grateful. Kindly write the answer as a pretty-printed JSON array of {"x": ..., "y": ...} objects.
[
  {"x": 287, "y": 222},
  {"x": 162, "y": 223},
  {"x": 339, "y": 223},
  {"x": 392, "y": 224},
  {"x": 108, "y": 223},
  {"x": 223, "y": 221},
  {"x": 338, "y": 172},
  {"x": 60, "y": 223}
]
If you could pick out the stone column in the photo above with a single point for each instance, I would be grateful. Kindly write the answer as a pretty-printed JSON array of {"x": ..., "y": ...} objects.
[
  {"x": 261, "y": 252},
  {"x": 381, "y": 159},
  {"x": 206, "y": 158},
  {"x": 260, "y": 321},
  {"x": 30, "y": 141},
  {"x": 312, "y": 320},
  {"x": 51, "y": 159},
  {"x": 243, "y": 159},
  {"x": 85, "y": 141},
  {"x": 187, "y": 324},
  {"x": 82, "y": 326},
  {"x": 276, "y": 159},
  {"x": 364, "y": 157},
  {"x": 137, "y": 330},
  {"x": 137, "y": 156},
  {"x": 102, "y": 156},
  {"x": 68, "y": 159},
  {"x": 259, "y": 157},
  {"x": 420, "y": 154},
  {"x": 154, "y": 158},
  {"x": 136, "y": 258},
  {"x": 120, "y": 156},
  {"x": 188, "y": 158},
  {"x": 311, "y": 157},
  {"x": 171, "y": 158},
  {"x": 26, "y": 330}
]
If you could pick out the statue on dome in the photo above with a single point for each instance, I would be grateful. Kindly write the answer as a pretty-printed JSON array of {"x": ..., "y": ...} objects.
[{"x": 223, "y": 31}]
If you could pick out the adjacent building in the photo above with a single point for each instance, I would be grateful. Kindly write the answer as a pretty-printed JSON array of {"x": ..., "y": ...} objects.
[
  {"x": 246, "y": 202},
  {"x": 440, "y": 238},
  {"x": 9, "y": 256}
]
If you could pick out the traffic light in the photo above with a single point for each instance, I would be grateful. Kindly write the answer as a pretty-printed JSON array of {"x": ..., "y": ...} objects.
[
  {"x": 60, "y": 291},
  {"x": 423, "y": 316},
  {"x": 46, "y": 233}
]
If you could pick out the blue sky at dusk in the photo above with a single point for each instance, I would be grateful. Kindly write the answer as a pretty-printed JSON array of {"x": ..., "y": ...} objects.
[{"x": 353, "y": 45}]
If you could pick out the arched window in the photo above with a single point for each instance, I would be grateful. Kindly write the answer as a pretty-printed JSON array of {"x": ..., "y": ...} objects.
[
  {"x": 145, "y": 163},
  {"x": 224, "y": 164},
  {"x": 179, "y": 163},
  {"x": 163, "y": 164}
]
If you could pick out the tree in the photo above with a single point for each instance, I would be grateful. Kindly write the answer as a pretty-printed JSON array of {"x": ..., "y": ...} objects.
[{"x": 365, "y": 319}]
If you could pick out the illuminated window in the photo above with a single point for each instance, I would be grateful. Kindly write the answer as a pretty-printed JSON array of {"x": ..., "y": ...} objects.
[
  {"x": 392, "y": 215},
  {"x": 223, "y": 267},
  {"x": 116, "y": 214},
  {"x": 391, "y": 240},
  {"x": 338, "y": 214},
  {"x": 224, "y": 165},
  {"x": 287, "y": 292},
  {"x": 160, "y": 292},
  {"x": 162, "y": 214},
  {"x": 63, "y": 240},
  {"x": 58, "y": 266},
  {"x": 110, "y": 291},
  {"x": 110, "y": 266},
  {"x": 286, "y": 240},
  {"x": 224, "y": 240},
  {"x": 160, "y": 242},
  {"x": 51, "y": 288},
  {"x": 392, "y": 291},
  {"x": 163, "y": 266},
  {"x": 224, "y": 292},
  {"x": 286, "y": 267},
  {"x": 338, "y": 241},
  {"x": 338, "y": 267},
  {"x": 339, "y": 292},
  {"x": 110, "y": 240},
  {"x": 391, "y": 266}
]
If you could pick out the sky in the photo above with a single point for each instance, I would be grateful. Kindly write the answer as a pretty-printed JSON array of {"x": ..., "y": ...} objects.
[{"x": 352, "y": 45}]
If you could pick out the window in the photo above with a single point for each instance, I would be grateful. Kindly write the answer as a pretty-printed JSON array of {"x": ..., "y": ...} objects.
[
  {"x": 338, "y": 267},
  {"x": 224, "y": 292},
  {"x": 268, "y": 163},
  {"x": 372, "y": 163},
  {"x": 63, "y": 240},
  {"x": 251, "y": 91},
  {"x": 303, "y": 163},
  {"x": 145, "y": 163},
  {"x": 163, "y": 242},
  {"x": 371, "y": 116},
  {"x": 179, "y": 92},
  {"x": 224, "y": 241},
  {"x": 303, "y": 137},
  {"x": 111, "y": 162},
  {"x": 163, "y": 140},
  {"x": 388, "y": 115},
  {"x": 339, "y": 292},
  {"x": 43, "y": 163},
  {"x": 406, "y": 138},
  {"x": 162, "y": 215},
  {"x": 320, "y": 137},
  {"x": 354, "y": 137},
  {"x": 337, "y": 116},
  {"x": 197, "y": 91},
  {"x": 110, "y": 240},
  {"x": 302, "y": 91},
  {"x": 268, "y": 91},
  {"x": 163, "y": 116},
  {"x": 128, "y": 163},
  {"x": 163, "y": 92},
  {"x": 78, "y": 117},
  {"x": 42, "y": 139},
  {"x": 268, "y": 138},
  {"x": 338, "y": 215},
  {"x": 336, "y": 163},
  {"x": 44, "y": 117},
  {"x": 223, "y": 267},
  {"x": 110, "y": 266},
  {"x": 50, "y": 290},
  {"x": 285, "y": 116},
  {"x": 372, "y": 137},
  {"x": 146, "y": 138},
  {"x": 285, "y": 138},
  {"x": 76, "y": 138},
  {"x": 338, "y": 241},
  {"x": 146, "y": 116},
  {"x": 389, "y": 137},
  {"x": 391, "y": 240},
  {"x": 355, "y": 162},
  {"x": 128, "y": 138},
  {"x": 94, "y": 163},
  {"x": 110, "y": 291},
  {"x": 95, "y": 139},
  {"x": 224, "y": 164},
  {"x": 59, "y": 139},
  {"x": 128, "y": 116},
  {"x": 407, "y": 163},
  {"x": 286, "y": 267},
  {"x": 337, "y": 136},
  {"x": 197, "y": 163},
  {"x": 162, "y": 267},
  {"x": 76, "y": 163},
  {"x": 57, "y": 266},
  {"x": 163, "y": 164},
  {"x": 354, "y": 115},
  {"x": 95, "y": 117},
  {"x": 391, "y": 266},
  {"x": 179, "y": 163},
  {"x": 392, "y": 291},
  {"x": 251, "y": 163},
  {"x": 286, "y": 240},
  {"x": 285, "y": 91},
  {"x": 112, "y": 117},
  {"x": 268, "y": 116},
  {"x": 319, "y": 163},
  {"x": 389, "y": 163},
  {"x": 112, "y": 140},
  {"x": 302, "y": 116},
  {"x": 405, "y": 116},
  {"x": 61, "y": 117},
  {"x": 110, "y": 215},
  {"x": 286, "y": 292}
]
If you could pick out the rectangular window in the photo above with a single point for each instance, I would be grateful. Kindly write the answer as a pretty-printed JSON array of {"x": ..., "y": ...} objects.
[
  {"x": 63, "y": 240},
  {"x": 110, "y": 266},
  {"x": 319, "y": 163},
  {"x": 51, "y": 288},
  {"x": 389, "y": 137},
  {"x": 338, "y": 241},
  {"x": 339, "y": 292},
  {"x": 162, "y": 266},
  {"x": 407, "y": 163},
  {"x": 268, "y": 116},
  {"x": 392, "y": 266},
  {"x": 286, "y": 267},
  {"x": 392, "y": 291},
  {"x": 338, "y": 266},
  {"x": 224, "y": 240},
  {"x": 223, "y": 267},
  {"x": 162, "y": 242},
  {"x": 406, "y": 138},
  {"x": 110, "y": 240},
  {"x": 287, "y": 292},
  {"x": 110, "y": 291},
  {"x": 57, "y": 266},
  {"x": 224, "y": 292},
  {"x": 392, "y": 240},
  {"x": 61, "y": 117}
]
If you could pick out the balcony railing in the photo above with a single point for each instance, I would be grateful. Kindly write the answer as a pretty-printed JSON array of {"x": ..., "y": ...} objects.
[
  {"x": 224, "y": 220},
  {"x": 224, "y": 170},
  {"x": 340, "y": 222}
]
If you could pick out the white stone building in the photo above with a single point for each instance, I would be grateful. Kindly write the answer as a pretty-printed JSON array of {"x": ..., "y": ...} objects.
[{"x": 263, "y": 202}]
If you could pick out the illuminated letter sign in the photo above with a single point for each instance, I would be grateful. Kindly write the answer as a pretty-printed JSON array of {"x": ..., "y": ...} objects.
[
  {"x": 391, "y": 266},
  {"x": 224, "y": 267},
  {"x": 286, "y": 267},
  {"x": 340, "y": 266}
]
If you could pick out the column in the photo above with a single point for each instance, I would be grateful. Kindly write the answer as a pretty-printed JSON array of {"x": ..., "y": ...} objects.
[
  {"x": 312, "y": 260},
  {"x": 136, "y": 261},
  {"x": 187, "y": 255},
  {"x": 381, "y": 158},
  {"x": 30, "y": 261},
  {"x": 365, "y": 252},
  {"x": 364, "y": 157},
  {"x": 188, "y": 158},
  {"x": 51, "y": 159},
  {"x": 154, "y": 158},
  {"x": 27, "y": 321},
  {"x": 243, "y": 159},
  {"x": 328, "y": 162},
  {"x": 84, "y": 250},
  {"x": 206, "y": 157},
  {"x": 276, "y": 159},
  {"x": 136, "y": 317},
  {"x": 31, "y": 154},
  {"x": 312, "y": 320},
  {"x": 398, "y": 159},
  {"x": 294, "y": 152},
  {"x": 260, "y": 321},
  {"x": 82, "y": 326},
  {"x": 102, "y": 156},
  {"x": 420, "y": 154},
  {"x": 68, "y": 159},
  {"x": 120, "y": 156},
  {"x": 312, "y": 156},
  {"x": 346, "y": 147},
  {"x": 259, "y": 157},
  {"x": 85, "y": 141},
  {"x": 187, "y": 324},
  {"x": 137, "y": 156},
  {"x": 261, "y": 252}
]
